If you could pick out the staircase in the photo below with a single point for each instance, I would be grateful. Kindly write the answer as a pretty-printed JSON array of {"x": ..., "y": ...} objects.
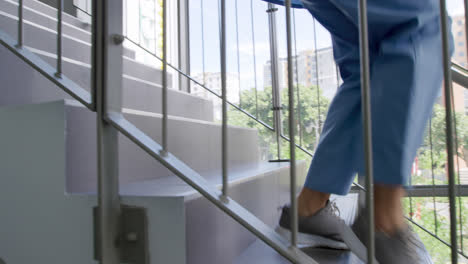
[{"x": 54, "y": 165}]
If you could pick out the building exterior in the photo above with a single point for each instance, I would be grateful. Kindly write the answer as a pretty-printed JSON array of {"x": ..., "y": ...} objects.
[
  {"x": 460, "y": 94},
  {"x": 307, "y": 71},
  {"x": 212, "y": 81}
]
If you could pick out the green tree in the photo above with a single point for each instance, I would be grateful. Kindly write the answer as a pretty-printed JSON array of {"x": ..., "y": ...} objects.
[
  {"x": 433, "y": 155},
  {"x": 307, "y": 126}
]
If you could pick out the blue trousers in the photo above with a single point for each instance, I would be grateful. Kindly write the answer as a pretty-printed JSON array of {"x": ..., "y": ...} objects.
[{"x": 406, "y": 76}]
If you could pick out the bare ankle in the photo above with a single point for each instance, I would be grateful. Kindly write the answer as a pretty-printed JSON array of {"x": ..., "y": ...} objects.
[
  {"x": 388, "y": 208},
  {"x": 310, "y": 201}
]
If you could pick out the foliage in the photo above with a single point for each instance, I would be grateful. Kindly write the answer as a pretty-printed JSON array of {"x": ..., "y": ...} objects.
[
  {"x": 307, "y": 127},
  {"x": 422, "y": 209},
  {"x": 436, "y": 139}
]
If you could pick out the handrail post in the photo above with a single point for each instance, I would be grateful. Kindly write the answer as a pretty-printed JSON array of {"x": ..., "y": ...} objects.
[
  {"x": 58, "y": 74},
  {"x": 276, "y": 100},
  {"x": 292, "y": 143},
  {"x": 450, "y": 131},
  {"x": 224, "y": 98},
  {"x": 107, "y": 82},
  {"x": 183, "y": 25},
  {"x": 367, "y": 135},
  {"x": 20, "y": 23},
  {"x": 164, "y": 82}
]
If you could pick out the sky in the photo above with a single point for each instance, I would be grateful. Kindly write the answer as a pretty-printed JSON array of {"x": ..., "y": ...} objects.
[{"x": 259, "y": 21}]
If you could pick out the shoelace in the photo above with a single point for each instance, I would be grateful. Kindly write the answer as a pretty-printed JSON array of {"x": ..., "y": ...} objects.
[{"x": 334, "y": 209}]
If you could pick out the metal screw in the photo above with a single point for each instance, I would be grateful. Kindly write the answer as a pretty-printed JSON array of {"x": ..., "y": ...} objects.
[
  {"x": 132, "y": 237},
  {"x": 118, "y": 39}
]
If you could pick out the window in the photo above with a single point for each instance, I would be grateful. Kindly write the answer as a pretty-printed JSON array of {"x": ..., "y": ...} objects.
[
  {"x": 461, "y": 54},
  {"x": 460, "y": 33},
  {"x": 460, "y": 43}
]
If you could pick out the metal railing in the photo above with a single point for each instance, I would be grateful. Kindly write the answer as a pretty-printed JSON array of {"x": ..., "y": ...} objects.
[{"x": 107, "y": 38}]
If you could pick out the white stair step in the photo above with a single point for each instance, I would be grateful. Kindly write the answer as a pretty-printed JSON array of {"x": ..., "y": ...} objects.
[
  {"x": 45, "y": 39},
  {"x": 212, "y": 236},
  {"x": 197, "y": 143},
  {"x": 193, "y": 230},
  {"x": 52, "y": 12},
  {"x": 35, "y": 16},
  {"x": 45, "y": 22},
  {"x": 23, "y": 85},
  {"x": 259, "y": 253}
]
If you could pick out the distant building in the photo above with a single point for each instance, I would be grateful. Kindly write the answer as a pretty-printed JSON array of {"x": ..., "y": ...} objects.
[
  {"x": 460, "y": 94},
  {"x": 212, "y": 81},
  {"x": 306, "y": 72}
]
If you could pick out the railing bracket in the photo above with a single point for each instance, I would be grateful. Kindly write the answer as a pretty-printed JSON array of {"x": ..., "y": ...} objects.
[
  {"x": 118, "y": 39},
  {"x": 133, "y": 239},
  {"x": 271, "y": 10}
]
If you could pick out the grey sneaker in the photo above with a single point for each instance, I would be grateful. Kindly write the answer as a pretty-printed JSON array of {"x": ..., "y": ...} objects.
[
  {"x": 319, "y": 230},
  {"x": 323, "y": 229},
  {"x": 404, "y": 247}
]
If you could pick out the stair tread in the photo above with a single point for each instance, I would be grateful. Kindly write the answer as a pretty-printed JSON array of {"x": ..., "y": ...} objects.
[
  {"x": 173, "y": 186},
  {"x": 260, "y": 253}
]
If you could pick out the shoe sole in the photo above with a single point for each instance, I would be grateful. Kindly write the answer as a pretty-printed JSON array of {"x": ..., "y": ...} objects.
[{"x": 305, "y": 240}]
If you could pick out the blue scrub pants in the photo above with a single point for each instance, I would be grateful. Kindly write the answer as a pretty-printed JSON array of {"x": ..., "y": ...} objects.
[{"x": 406, "y": 76}]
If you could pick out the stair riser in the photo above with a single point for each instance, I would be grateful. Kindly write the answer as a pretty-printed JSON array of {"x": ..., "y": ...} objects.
[
  {"x": 45, "y": 21},
  {"x": 197, "y": 144},
  {"x": 46, "y": 40},
  {"x": 214, "y": 237},
  {"x": 50, "y": 22},
  {"x": 49, "y": 225},
  {"x": 23, "y": 85},
  {"x": 50, "y": 11}
]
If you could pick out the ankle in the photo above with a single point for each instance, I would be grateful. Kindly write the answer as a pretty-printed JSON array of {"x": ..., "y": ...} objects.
[
  {"x": 388, "y": 208},
  {"x": 310, "y": 201}
]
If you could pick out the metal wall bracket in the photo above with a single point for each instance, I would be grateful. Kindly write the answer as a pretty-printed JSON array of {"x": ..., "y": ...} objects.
[{"x": 133, "y": 236}]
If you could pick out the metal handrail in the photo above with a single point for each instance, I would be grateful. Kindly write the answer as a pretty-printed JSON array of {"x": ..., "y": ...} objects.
[
  {"x": 119, "y": 123},
  {"x": 201, "y": 85},
  {"x": 49, "y": 72},
  {"x": 82, "y": 10},
  {"x": 459, "y": 75}
]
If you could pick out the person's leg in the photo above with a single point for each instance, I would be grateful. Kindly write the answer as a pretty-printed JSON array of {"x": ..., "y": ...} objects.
[
  {"x": 334, "y": 164},
  {"x": 405, "y": 80}
]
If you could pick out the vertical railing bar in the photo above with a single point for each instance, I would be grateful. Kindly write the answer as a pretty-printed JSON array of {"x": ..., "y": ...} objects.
[
  {"x": 155, "y": 29},
  {"x": 319, "y": 128},
  {"x": 125, "y": 18},
  {"x": 139, "y": 22},
  {"x": 254, "y": 57},
  {"x": 436, "y": 229},
  {"x": 107, "y": 74},
  {"x": 94, "y": 55},
  {"x": 411, "y": 199},
  {"x": 458, "y": 173},
  {"x": 292, "y": 144},
  {"x": 203, "y": 40},
  {"x": 337, "y": 70},
  {"x": 299, "y": 107},
  {"x": 164, "y": 150},
  {"x": 238, "y": 53},
  {"x": 20, "y": 23},
  {"x": 223, "y": 95},
  {"x": 276, "y": 100},
  {"x": 366, "y": 113},
  {"x": 449, "y": 128},
  {"x": 59, "y": 38}
]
